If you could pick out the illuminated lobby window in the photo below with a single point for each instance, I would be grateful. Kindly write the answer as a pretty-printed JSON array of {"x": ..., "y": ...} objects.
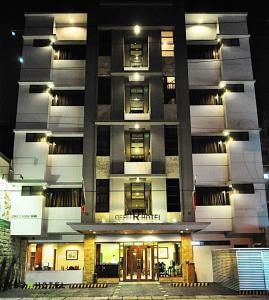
[{"x": 167, "y": 43}]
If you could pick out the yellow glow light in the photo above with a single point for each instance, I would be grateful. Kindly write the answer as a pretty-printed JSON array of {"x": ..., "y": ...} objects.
[{"x": 137, "y": 29}]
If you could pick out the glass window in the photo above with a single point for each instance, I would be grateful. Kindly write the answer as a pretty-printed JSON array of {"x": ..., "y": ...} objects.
[
  {"x": 103, "y": 140},
  {"x": 136, "y": 99},
  {"x": 167, "y": 43},
  {"x": 171, "y": 141},
  {"x": 136, "y": 52},
  {"x": 173, "y": 195},
  {"x": 169, "y": 89},
  {"x": 102, "y": 195}
]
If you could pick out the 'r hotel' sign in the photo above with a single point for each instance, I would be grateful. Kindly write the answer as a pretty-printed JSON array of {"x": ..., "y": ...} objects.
[{"x": 137, "y": 218}]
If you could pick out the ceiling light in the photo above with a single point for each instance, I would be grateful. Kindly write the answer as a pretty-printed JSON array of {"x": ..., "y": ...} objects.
[
  {"x": 222, "y": 85},
  {"x": 137, "y": 29},
  {"x": 51, "y": 85},
  {"x": 20, "y": 59},
  {"x": 13, "y": 33},
  {"x": 71, "y": 20},
  {"x": 225, "y": 132},
  {"x": 136, "y": 126}
]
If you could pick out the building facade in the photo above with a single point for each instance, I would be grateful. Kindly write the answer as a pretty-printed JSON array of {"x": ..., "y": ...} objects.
[{"x": 137, "y": 145}]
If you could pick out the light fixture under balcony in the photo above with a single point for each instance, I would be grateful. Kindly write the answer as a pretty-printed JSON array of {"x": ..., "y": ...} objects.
[
  {"x": 137, "y": 29},
  {"x": 136, "y": 126},
  {"x": 226, "y": 133},
  {"x": 222, "y": 85}
]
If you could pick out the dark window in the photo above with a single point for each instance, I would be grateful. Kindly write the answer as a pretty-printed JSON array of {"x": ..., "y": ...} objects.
[
  {"x": 215, "y": 243},
  {"x": 69, "y": 52},
  {"x": 230, "y": 42},
  {"x": 169, "y": 90},
  {"x": 203, "y": 51},
  {"x": 35, "y": 137},
  {"x": 208, "y": 144},
  {"x": 32, "y": 191},
  {"x": 235, "y": 88},
  {"x": 103, "y": 140},
  {"x": 243, "y": 188},
  {"x": 63, "y": 197},
  {"x": 102, "y": 195},
  {"x": 209, "y": 196},
  {"x": 240, "y": 136},
  {"x": 205, "y": 97},
  {"x": 37, "y": 89},
  {"x": 240, "y": 246},
  {"x": 173, "y": 195},
  {"x": 104, "y": 90},
  {"x": 67, "y": 97},
  {"x": 171, "y": 142},
  {"x": 66, "y": 145},
  {"x": 104, "y": 43},
  {"x": 41, "y": 42}
]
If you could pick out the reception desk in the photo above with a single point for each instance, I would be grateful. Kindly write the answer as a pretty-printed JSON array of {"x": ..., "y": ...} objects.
[{"x": 67, "y": 276}]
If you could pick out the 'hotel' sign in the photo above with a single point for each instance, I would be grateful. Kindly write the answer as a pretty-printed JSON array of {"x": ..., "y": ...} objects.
[{"x": 137, "y": 218}]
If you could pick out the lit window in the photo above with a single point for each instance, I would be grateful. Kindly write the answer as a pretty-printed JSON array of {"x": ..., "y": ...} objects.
[
  {"x": 167, "y": 43},
  {"x": 266, "y": 176}
]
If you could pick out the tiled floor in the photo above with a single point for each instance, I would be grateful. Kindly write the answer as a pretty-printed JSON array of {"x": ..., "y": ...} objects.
[{"x": 125, "y": 291}]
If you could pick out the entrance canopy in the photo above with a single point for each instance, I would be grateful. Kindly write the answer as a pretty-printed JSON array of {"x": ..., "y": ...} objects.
[{"x": 138, "y": 228}]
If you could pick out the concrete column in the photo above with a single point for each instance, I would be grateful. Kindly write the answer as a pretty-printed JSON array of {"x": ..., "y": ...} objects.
[
  {"x": 157, "y": 149},
  {"x": 186, "y": 257},
  {"x": 183, "y": 115},
  {"x": 117, "y": 149},
  {"x": 89, "y": 140},
  {"x": 156, "y": 98},
  {"x": 89, "y": 258},
  {"x": 117, "y": 103}
]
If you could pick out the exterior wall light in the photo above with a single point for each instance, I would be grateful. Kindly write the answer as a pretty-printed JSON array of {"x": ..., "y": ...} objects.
[
  {"x": 20, "y": 59},
  {"x": 13, "y": 33},
  {"x": 136, "y": 126},
  {"x": 226, "y": 133},
  {"x": 222, "y": 85},
  {"x": 51, "y": 85},
  {"x": 137, "y": 29}
]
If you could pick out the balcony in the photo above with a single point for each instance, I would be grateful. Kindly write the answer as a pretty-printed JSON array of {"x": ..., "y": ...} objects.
[
  {"x": 210, "y": 168},
  {"x": 68, "y": 73},
  {"x": 207, "y": 118},
  {"x": 66, "y": 118},
  {"x": 219, "y": 216},
  {"x": 64, "y": 168},
  {"x": 58, "y": 217}
]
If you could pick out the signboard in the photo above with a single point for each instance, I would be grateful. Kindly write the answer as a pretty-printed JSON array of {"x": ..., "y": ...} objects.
[
  {"x": 137, "y": 218},
  {"x": 5, "y": 191},
  {"x": 26, "y": 215}
]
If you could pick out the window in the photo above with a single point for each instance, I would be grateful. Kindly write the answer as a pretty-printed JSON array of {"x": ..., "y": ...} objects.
[
  {"x": 136, "y": 52},
  {"x": 32, "y": 191},
  {"x": 203, "y": 51},
  {"x": 169, "y": 90},
  {"x": 173, "y": 195},
  {"x": 66, "y": 145},
  {"x": 137, "y": 198},
  {"x": 215, "y": 243},
  {"x": 67, "y": 97},
  {"x": 235, "y": 88},
  {"x": 103, "y": 140},
  {"x": 230, "y": 42},
  {"x": 243, "y": 188},
  {"x": 209, "y": 196},
  {"x": 69, "y": 52},
  {"x": 104, "y": 90},
  {"x": 102, "y": 195},
  {"x": 104, "y": 43},
  {"x": 167, "y": 43},
  {"x": 63, "y": 197},
  {"x": 41, "y": 42},
  {"x": 171, "y": 141},
  {"x": 37, "y": 89},
  {"x": 208, "y": 144},
  {"x": 35, "y": 138},
  {"x": 239, "y": 136},
  {"x": 137, "y": 146},
  {"x": 205, "y": 97},
  {"x": 136, "y": 99}
]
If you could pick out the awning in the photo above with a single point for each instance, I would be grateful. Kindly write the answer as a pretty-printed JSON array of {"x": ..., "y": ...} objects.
[{"x": 138, "y": 228}]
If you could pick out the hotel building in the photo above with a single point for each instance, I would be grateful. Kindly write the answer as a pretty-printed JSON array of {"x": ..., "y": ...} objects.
[{"x": 137, "y": 148}]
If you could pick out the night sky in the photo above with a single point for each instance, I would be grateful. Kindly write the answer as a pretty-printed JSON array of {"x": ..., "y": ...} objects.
[{"x": 12, "y": 17}]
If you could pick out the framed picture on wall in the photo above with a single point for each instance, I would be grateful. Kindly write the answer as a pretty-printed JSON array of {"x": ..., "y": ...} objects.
[
  {"x": 71, "y": 254},
  {"x": 162, "y": 252}
]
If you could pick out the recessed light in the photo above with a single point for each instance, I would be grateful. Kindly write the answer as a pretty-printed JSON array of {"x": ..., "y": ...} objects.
[{"x": 137, "y": 29}]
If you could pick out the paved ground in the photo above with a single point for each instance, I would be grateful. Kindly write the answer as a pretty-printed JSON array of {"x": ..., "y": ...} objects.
[{"x": 128, "y": 292}]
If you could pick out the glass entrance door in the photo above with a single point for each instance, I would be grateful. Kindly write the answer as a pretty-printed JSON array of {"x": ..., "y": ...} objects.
[{"x": 138, "y": 263}]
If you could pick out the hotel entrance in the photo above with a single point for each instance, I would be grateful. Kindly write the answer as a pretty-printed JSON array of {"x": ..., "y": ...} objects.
[{"x": 138, "y": 263}]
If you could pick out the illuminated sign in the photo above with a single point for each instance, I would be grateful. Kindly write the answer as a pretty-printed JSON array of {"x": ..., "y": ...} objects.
[{"x": 137, "y": 218}]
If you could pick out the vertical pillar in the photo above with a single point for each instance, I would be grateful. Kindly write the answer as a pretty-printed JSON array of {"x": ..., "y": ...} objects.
[
  {"x": 90, "y": 104},
  {"x": 183, "y": 115},
  {"x": 89, "y": 258},
  {"x": 187, "y": 258}
]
